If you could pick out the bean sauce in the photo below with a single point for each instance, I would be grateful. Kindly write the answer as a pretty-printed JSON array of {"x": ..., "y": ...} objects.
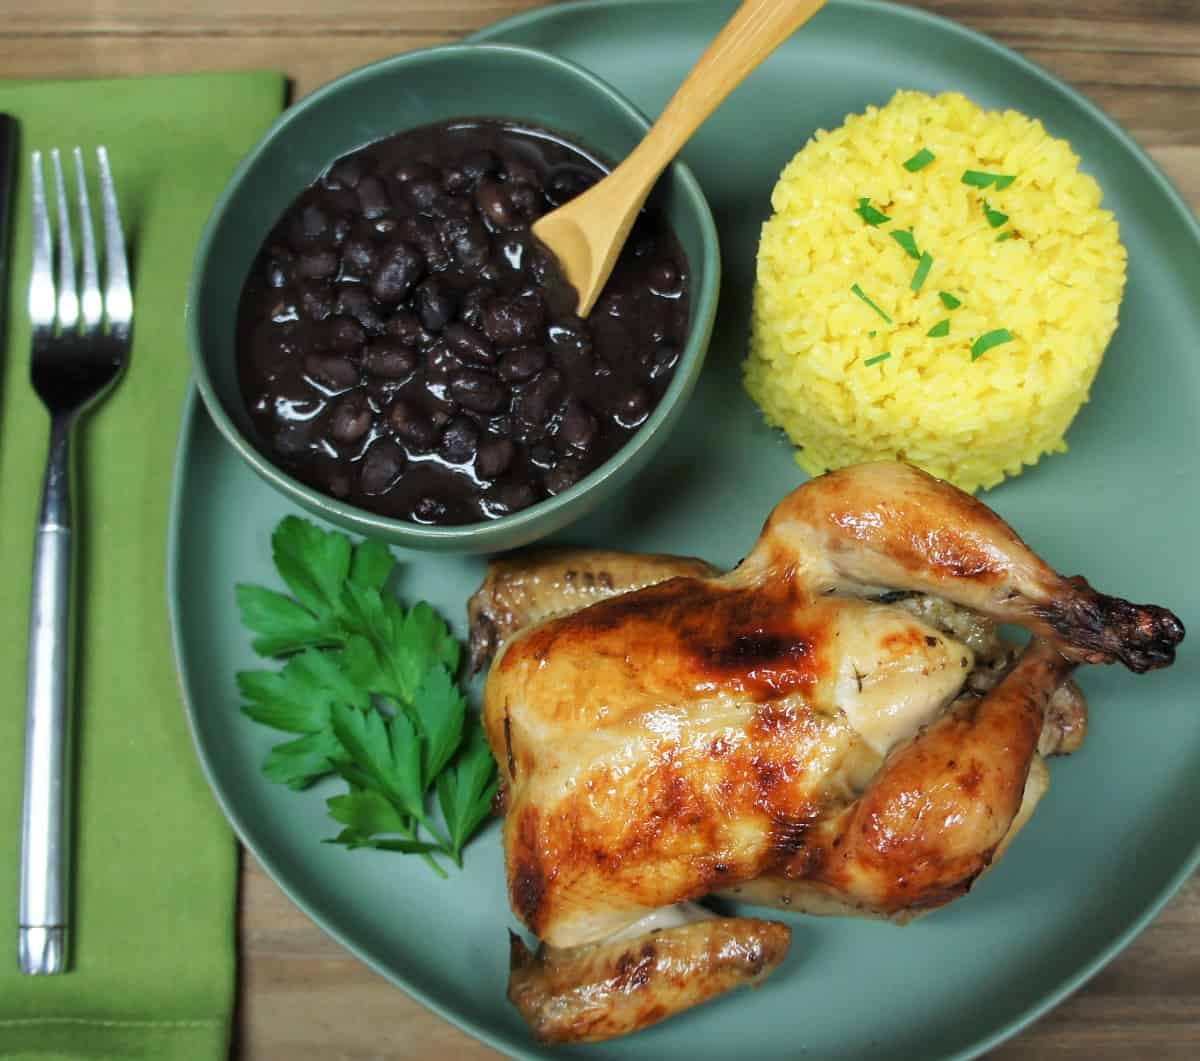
[{"x": 406, "y": 345}]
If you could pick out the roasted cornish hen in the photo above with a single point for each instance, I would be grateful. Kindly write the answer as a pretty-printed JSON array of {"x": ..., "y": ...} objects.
[{"x": 833, "y": 726}]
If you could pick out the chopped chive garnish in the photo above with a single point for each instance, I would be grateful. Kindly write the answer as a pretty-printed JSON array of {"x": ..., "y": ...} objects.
[
  {"x": 908, "y": 241},
  {"x": 869, "y": 214},
  {"x": 979, "y": 179},
  {"x": 867, "y": 299},
  {"x": 994, "y": 217},
  {"x": 877, "y": 358},
  {"x": 939, "y": 330},
  {"x": 948, "y": 300},
  {"x": 872, "y": 333},
  {"x": 923, "y": 267},
  {"x": 920, "y": 160},
  {"x": 989, "y": 339},
  {"x": 1005, "y": 235}
]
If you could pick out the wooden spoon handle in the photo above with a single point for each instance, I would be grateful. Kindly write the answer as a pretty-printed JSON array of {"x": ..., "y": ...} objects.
[{"x": 756, "y": 29}]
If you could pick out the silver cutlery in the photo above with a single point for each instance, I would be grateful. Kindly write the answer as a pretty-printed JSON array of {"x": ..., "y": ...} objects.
[{"x": 81, "y": 339}]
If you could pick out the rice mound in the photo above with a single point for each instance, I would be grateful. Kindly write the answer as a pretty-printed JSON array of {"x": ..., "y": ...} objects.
[{"x": 1055, "y": 284}]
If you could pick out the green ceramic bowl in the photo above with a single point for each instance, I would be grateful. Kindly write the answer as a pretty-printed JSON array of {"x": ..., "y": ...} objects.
[{"x": 415, "y": 89}]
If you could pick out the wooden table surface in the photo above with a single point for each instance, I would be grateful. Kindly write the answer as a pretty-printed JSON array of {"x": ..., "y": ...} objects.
[{"x": 301, "y": 995}]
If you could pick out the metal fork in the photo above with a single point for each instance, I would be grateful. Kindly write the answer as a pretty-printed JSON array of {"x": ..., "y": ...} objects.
[{"x": 81, "y": 338}]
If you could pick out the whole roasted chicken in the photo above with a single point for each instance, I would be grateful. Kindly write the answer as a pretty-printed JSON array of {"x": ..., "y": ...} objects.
[{"x": 833, "y": 726}]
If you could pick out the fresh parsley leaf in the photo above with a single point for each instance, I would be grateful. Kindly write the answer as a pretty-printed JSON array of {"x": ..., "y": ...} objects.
[
  {"x": 1005, "y": 235},
  {"x": 369, "y": 687},
  {"x": 466, "y": 790},
  {"x": 313, "y": 563},
  {"x": 994, "y": 217},
  {"x": 920, "y": 160},
  {"x": 867, "y": 299},
  {"x": 939, "y": 330},
  {"x": 948, "y": 300},
  {"x": 298, "y": 763},
  {"x": 353, "y": 841},
  {"x": 383, "y": 755},
  {"x": 877, "y": 358},
  {"x": 986, "y": 341},
  {"x": 439, "y": 710},
  {"x": 981, "y": 179},
  {"x": 366, "y": 813},
  {"x": 283, "y": 625},
  {"x": 922, "y": 271},
  {"x": 908, "y": 241},
  {"x": 297, "y": 699},
  {"x": 371, "y": 566},
  {"x": 869, "y": 214}
]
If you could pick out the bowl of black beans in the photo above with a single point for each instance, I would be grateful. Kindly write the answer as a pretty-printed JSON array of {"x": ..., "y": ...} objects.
[{"x": 378, "y": 333}]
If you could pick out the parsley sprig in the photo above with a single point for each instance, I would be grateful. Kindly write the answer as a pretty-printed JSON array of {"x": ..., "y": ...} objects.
[{"x": 368, "y": 687}]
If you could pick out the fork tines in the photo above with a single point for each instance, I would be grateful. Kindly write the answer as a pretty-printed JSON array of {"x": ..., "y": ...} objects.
[{"x": 66, "y": 306}]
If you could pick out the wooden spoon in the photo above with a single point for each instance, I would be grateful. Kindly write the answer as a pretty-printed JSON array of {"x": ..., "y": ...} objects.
[{"x": 588, "y": 233}]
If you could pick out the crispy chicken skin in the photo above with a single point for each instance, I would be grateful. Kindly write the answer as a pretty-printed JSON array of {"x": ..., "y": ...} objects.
[
  {"x": 834, "y": 725},
  {"x": 602, "y": 990},
  {"x": 529, "y": 586}
]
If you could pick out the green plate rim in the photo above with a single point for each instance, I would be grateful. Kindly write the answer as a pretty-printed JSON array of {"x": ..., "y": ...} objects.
[{"x": 1189, "y": 862}]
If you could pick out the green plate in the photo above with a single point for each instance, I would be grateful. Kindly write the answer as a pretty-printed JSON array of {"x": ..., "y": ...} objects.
[{"x": 1119, "y": 830}]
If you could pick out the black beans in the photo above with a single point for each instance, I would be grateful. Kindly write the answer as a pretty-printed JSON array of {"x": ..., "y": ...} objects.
[
  {"x": 469, "y": 344},
  {"x": 494, "y": 456},
  {"x": 566, "y": 182},
  {"x": 412, "y": 424},
  {"x": 400, "y": 267},
  {"x": 344, "y": 174},
  {"x": 578, "y": 426},
  {"x": 316, "y": 301},
  {"x": 314, "y": 222},
  {"x": 473, "y": 305},
  {"x": 316, "y": 264},
  {"x": 350, "y": 418},
  {"x": 346, "y": 335},
  {"x": 538, "y": 399},
  {"x": 373, "y": 197},
  {"x": 633, "y": 407},
  {"x": 407, "y": 327},
  {"x": 521, "y": 363},
  {"x": 354, "y": 301},
  {"x": 381, "y": 467},
  {"x": 406, "y": 344},
  {"x": 389, "y": 360},
  {"x": 466, "y": 240},
  {"x": 478, "y": 391},
  {"x": 565, "y": 474},
  {"x": 664, "y": 278},
  {"x": 413, "y": 169},
  {"x": 421, "y": 192},
  {"x": 511, "y": 497},
  {"x": 492, "y": 199},
  {"x": 332, "y": 371},
  {"x": 358, "y": 256},
  {"x": 514, "y": 321},
  {"x": 435, "y": 306},
  {"x": 460, "y": 439}
]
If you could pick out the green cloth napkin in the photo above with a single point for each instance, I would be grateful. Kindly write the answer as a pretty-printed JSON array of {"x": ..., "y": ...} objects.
[{"x": 155, "y": 866}]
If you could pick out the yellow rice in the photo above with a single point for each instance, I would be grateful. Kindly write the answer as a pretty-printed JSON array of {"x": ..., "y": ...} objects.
[{"x": 1055, "y": 285}]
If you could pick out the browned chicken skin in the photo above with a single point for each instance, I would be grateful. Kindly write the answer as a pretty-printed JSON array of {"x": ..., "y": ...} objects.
[
  {"x": 795, "y": 731},
  {"x": 601, "y": 990}
]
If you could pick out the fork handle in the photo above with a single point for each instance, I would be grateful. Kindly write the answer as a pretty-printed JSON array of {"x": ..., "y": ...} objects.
[{"x": 46, "y": 820}]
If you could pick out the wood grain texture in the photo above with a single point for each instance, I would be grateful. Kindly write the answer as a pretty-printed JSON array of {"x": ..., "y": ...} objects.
[{"x": 301, "y": 996}]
